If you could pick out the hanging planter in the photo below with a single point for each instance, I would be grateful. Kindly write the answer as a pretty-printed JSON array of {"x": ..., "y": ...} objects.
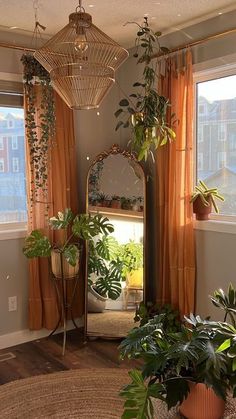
[
  {"x": 39, "y": 124},
  {"x": 146, "y": 111}
]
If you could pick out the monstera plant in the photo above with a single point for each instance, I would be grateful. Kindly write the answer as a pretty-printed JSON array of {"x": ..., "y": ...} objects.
[{"x": 73, "y": 228}]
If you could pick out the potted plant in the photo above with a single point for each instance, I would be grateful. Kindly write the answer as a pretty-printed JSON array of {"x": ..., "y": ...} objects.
[
  {"x": 203, "y": 198},
  {"x": 115, "y": 202},
  {"x": 65, "y": 252},
  {"x": 135, "y": 203},
  {"x": 198, "y": 360},
  {"x": 105, "y": 272},
  {"x": 39, "y": 145},
  {"x": 126, "y": 203},
  {"x": 103, "y": 200},
  {"x": 145, "y": 110}
]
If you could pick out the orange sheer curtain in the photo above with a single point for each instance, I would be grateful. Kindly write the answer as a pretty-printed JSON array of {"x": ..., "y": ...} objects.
[
  {"x": 62, "y": 193},
  {"x": 174, "y": 162}
]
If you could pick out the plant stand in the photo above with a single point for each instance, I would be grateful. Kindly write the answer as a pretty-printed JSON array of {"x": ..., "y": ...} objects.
[{"x": 65, "y": 307}]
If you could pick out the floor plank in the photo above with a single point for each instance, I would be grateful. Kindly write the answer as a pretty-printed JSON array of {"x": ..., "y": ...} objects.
[{"x": 44, "y": 356}]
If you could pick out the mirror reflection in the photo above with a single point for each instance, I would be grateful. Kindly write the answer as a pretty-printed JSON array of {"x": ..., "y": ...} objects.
[{"x": 116, "y": 189}]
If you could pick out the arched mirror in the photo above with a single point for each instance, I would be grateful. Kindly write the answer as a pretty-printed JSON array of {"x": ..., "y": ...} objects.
[{"x": 115, "y": 262}]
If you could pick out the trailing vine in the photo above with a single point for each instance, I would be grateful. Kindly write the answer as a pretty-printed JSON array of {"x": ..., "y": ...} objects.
[
  {"x": 145, "y": 111},
  {"x": 39, "y": 125}
]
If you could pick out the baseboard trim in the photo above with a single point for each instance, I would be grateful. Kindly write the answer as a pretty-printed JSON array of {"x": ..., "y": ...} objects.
[{"x": 26, "y": 335}]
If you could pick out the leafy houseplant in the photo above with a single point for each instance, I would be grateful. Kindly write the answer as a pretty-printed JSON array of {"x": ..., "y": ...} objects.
[
  {"x": 171, "y": 318},
  {"x": 39, "y": 144},
  {"x": 203, "y": 198},
  {"x": 73, "y": 227},
  {"x": 145, "y": 111},
  {"x": 105, "y": 264},
  {"x": 111, "y": 262},
  {"x": 177, "y": 362}
]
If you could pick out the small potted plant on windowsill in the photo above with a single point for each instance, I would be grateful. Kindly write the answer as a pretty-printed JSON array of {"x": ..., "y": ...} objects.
[
  {"x": 203, "y": 199},
  {"x": 103, "y": 200},
  {"x": 65, "y": 252},
  {"x": 115, "y": 202},
  {"x": 192, "y": 368}
]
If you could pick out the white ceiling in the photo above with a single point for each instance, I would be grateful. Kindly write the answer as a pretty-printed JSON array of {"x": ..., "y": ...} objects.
[{"x": 110, "y": 15}]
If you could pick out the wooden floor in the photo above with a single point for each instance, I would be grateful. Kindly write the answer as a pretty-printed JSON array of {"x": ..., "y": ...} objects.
[{"x": 45, "y": 356}]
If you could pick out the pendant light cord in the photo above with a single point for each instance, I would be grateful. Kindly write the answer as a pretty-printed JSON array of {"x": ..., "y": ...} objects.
[{"x": 80, "y": 7}]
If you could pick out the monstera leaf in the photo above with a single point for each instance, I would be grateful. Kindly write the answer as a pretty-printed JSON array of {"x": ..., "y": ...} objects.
[
  {"x": 107, "y": 247},
  {"x": 108, "y": 287},
  {"x": 36, "y": 245},
  {"x": 71, "y": 254},
  {"x": 62, "y": 220},
  {"x": 85, "y": 226}
]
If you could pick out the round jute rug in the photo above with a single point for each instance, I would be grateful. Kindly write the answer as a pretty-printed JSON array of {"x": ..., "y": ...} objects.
[{"x": 80, "y": 394}]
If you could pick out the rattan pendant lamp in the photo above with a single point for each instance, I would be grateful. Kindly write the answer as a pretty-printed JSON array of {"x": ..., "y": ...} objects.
[{"x": 81, "y": 60}]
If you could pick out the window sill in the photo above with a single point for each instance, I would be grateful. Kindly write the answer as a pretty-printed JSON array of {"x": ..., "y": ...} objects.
[
  {"x": 11, "y": 232},
  {"x": 218, "y": 226}
]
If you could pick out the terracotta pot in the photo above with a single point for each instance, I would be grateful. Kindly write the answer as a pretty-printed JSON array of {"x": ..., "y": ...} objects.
[
  {"x": 202, "y": 211},
  {"x": 115, "y": 203},
  {"x": 202, "y": 403},
  {"x": 68, "y": 270}
]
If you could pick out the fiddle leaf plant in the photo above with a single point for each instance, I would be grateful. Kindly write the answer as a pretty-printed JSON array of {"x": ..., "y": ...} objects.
[{"x": 145, "y": 111}]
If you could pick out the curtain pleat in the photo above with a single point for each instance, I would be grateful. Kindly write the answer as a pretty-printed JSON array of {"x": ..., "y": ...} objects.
[
  {"x": 62, "y": 193},
  {"x": 176, "y": 276}
]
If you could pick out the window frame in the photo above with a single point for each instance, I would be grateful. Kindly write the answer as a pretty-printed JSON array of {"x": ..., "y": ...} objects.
[
  {"x": 12, "y": 83},
  {"x": 216, "y": 222}
]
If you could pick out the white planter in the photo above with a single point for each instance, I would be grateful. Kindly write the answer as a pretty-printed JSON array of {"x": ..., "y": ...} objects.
[{"x": 96, "y": 302}]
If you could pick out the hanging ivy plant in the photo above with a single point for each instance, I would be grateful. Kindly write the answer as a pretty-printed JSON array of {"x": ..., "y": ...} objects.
[
  {"x": 145, "y": 111},
  {"x": 39, "y": 124}
]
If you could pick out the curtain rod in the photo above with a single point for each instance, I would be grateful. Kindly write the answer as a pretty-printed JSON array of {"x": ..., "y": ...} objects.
[
  {"x": 17, "y": 47},
  {"x": 198, "y": 42},
  {"x": 181, "y": 47}
]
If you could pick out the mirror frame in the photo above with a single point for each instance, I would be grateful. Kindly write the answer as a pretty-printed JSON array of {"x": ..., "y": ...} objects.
[{"x": 114, "y": 150}]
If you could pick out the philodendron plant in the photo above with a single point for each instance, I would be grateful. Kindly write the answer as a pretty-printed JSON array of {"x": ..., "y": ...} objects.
[
  {"x": 200, "y": 351},
  {"x": 145, "y": 110},
  {"x": 74, "y": 227}
]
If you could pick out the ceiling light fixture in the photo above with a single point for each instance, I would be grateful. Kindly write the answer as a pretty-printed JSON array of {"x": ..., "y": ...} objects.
[{"x": 81, "y": 60}]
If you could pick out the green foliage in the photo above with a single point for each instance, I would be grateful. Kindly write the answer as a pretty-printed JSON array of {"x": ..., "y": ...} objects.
[
  {"x": 131, "y": 255},
  {"x": 171, "y": 318},
  {"x": 75, "y": 227},
  {"x": 111, "y": 262},
  {"x": 138, "y": 397},
  {"x": 145, "y": 111},
  {"x": 39, "y": 117},
  {"x": 202, "y": 351},
  {"x": 206, "y": 195},
  {"x": 37, "y": 245},
  {"x": 226, "y": 302}
]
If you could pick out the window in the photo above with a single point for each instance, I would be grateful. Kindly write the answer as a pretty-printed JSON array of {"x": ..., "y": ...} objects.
[
  {"x": 10, "y": 123},
  {"x": 222, "y": 132},
  {"x": 1, "y": 143},
  {"x": 1, "y": 165},
  {"x": 12, "y": 168},
  {"x": 200, "y": 133},
  {"x": 216, "y": 135},
  {"x": 15, "y": 164},
  {"x": 221, "y": 159},
  {"x": 200, "y": 161},
  {"x": 14, "y": 143}
]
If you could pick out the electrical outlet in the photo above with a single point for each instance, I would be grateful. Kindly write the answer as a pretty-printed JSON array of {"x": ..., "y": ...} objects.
[{"x": 12, "y": 303}]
